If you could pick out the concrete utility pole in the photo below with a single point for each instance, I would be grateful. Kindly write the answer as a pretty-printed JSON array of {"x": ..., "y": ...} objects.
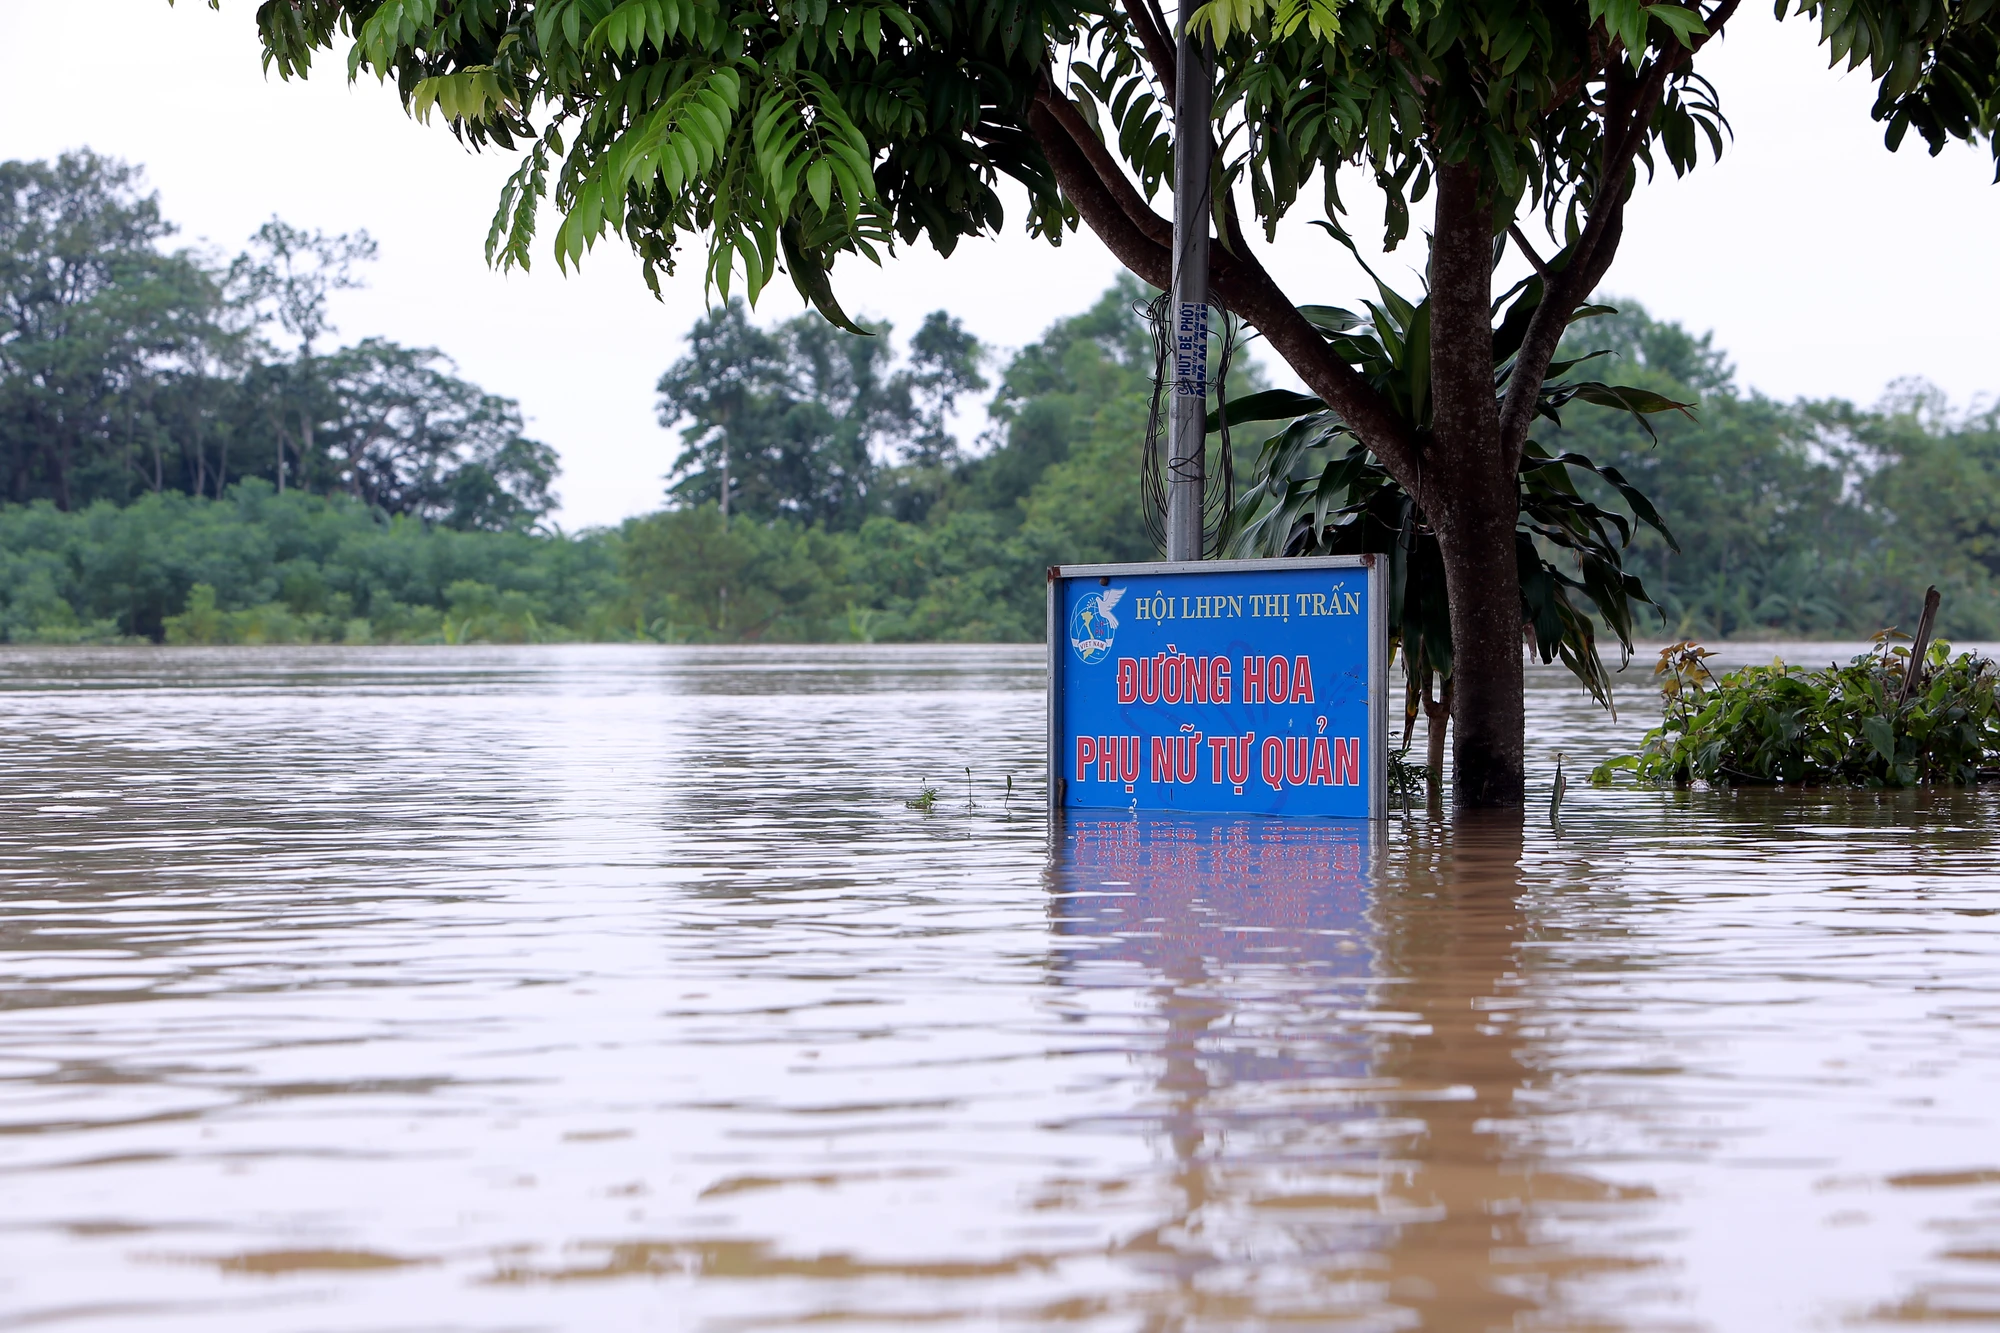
[{"x": 1187, "y": 436}]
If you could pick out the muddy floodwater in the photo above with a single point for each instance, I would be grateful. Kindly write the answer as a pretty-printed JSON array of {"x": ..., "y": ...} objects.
[{"x": 580, "y": 988}]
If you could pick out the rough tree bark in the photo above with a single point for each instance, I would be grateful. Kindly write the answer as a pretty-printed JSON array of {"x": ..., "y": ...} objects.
[{"x": 1467, "y": 489}]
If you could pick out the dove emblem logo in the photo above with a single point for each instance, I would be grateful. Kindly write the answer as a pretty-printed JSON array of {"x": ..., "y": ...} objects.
[{"x": 1094, "y": 624}]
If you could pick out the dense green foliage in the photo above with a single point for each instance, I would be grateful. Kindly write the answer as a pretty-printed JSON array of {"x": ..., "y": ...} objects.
[
  {"x": 778, "y": 131},
  {"x": 295, "y": 568},
  {"x": 936, "y": 545},
  {"x": 1814, "y": 519},
  {"x": 1811, "y": 518},
  {"x": 128, "y": 370},
  {"x": 808, "y": 422},
  {"x": 1847, "y": 725},
  {"x": 137, "y": 377},
  {"x": 1058, "y": 482}
]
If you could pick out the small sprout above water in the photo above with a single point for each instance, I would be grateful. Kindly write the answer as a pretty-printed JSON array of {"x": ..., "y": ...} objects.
[
  {"x": 1407, "y": 781},
  {"x": 926, "y": 798}
]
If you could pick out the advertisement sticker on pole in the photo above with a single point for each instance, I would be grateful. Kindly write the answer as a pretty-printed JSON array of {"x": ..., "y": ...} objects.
[{"x": 1220, "y": 686}]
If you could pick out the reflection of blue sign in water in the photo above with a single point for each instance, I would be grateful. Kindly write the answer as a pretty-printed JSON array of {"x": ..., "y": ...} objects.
[
  {"x": 1167, "y": 890},
  {"x": 1230, "y": 686},
  {"x": 1236, "y": 957},
  {"x": 1251, "y": 914}
]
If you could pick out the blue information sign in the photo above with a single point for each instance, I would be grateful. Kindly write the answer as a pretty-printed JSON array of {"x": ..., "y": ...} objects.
[{"x": 1231, "y": 686}]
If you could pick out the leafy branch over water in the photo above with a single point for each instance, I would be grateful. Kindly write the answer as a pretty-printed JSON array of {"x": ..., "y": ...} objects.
[{"x": 1846, "y": 726}]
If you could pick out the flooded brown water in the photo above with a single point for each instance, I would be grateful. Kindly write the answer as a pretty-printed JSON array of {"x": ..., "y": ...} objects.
[{"x": 602, "y": 988}]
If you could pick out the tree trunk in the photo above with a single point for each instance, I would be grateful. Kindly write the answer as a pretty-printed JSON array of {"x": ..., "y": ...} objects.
[
  {"x": 1484, "y": 587},
  {"x": 1470, "y": 495},
  {"x": 305, "y": 368},
  {"x": 59, "y": 456},
  {"x": 1437, "y": 723}
]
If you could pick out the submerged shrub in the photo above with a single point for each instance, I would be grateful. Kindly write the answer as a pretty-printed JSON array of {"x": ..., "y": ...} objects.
[{"x": 1839, "y": 725}]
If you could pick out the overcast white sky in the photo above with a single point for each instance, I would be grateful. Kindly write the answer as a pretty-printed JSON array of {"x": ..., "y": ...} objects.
[{"x": 1824, "y": 264}]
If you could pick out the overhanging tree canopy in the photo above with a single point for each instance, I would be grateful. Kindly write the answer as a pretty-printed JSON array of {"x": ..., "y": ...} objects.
[{"x": 794, "y": 132}]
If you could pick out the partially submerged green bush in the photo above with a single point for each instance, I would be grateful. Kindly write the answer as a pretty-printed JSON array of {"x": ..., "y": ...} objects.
[{"x": 1843, "y": 726}]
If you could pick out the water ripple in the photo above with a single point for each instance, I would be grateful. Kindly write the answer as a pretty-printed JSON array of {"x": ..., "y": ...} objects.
[{"x": 588, "y": 988}]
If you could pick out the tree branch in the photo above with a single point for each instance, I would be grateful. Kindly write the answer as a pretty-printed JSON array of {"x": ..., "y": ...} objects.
[
  {"x": 1245, "y": 286},
  {"x": 1587, "y": 261},
  {"x": 1247, "y": 289},
  {"x": 1514, "y": 230},
  {"x": 1152, "y": 28},
  {"x": 1142, "y": 240},
  {"x": 1110, "y": 175},
  {"x": 1130, "y": 244}
]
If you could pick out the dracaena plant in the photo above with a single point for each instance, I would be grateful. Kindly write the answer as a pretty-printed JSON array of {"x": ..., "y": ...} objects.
[
  {"x": 1317, "y": 489},
  {"x": 794, "y": 133}
]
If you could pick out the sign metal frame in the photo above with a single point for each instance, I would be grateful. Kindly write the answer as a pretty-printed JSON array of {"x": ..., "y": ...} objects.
[{"x": 1378, "y": 650}]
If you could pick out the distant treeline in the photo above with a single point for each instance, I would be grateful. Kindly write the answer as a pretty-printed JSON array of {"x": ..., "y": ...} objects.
[
  {"x": 130, "y": 369},
  {"x": 259, "y": 567},
  {"x": 892, "y": 533},
  {"x": 1809, "y": 518},
  {"x": 175, "y": 477}
]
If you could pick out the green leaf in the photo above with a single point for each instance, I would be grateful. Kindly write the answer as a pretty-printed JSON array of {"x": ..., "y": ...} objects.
[
  {"x": 1636, "y": 401},
  {"x": 810, "y": 276},
  {"x": 1882, "y": 736},
  {"x": 1269, "y": 405},
  {"x": 1685, "y": 24},
  {"x": 1332, "y": 319}
]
